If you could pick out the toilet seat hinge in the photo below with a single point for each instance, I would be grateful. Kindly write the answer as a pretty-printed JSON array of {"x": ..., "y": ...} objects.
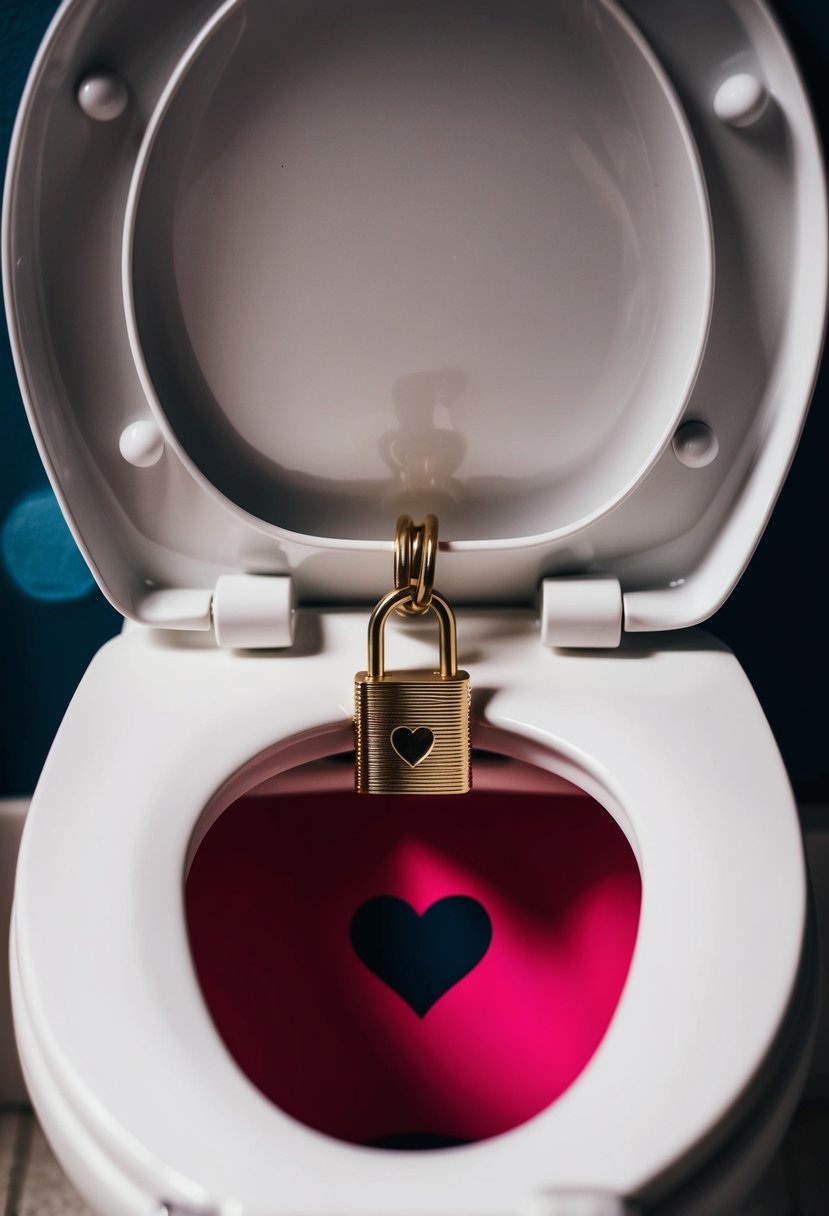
[
  {"x": 582, "y": 613},
  {"x": 253, "y": 611},
  {"x": 245, "y": 611}
]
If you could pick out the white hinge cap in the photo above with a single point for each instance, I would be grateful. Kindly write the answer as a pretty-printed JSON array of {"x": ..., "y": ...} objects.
[
  {"x": 585, "y": 613},
  {"x": 579, "y": 1203},
  {"x": 254, "y": 611}
]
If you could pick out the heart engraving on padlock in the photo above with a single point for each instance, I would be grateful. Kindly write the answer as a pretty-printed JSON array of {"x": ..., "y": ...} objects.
[
  {"x": 412, "y": 727},
  {"x": 412, "y": 746}
]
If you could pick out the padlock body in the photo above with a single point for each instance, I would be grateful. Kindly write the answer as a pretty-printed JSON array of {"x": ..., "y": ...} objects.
[{"x": 394, "y": 717}]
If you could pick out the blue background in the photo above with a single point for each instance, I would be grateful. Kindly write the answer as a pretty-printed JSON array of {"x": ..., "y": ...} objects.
[{"x": 53, "y": 619}]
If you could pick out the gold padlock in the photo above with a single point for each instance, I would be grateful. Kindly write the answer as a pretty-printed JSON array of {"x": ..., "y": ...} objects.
[{"x": 412, "y": 727}]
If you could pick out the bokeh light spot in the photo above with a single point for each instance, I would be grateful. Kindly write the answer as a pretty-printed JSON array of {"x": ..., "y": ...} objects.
[{"x": 39, "y": 553}]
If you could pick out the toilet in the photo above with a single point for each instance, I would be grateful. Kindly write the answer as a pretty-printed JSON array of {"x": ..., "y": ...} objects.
[{"x": 555, "y": 271}]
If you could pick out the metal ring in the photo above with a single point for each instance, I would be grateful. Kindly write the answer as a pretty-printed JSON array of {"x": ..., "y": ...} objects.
[
  {"x": 415, "y": 557},
  {"x": 396, "y": 599},
  {"x": 402, "y": 551}
]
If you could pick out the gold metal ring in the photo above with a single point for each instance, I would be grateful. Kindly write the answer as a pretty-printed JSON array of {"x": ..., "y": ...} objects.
[
  {"x": 402, "y": 551},
  {"x": 415, "y": 557}
]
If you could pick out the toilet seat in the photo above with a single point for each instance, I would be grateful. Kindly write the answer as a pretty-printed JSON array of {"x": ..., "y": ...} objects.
[{"x": 107, "y": 997}]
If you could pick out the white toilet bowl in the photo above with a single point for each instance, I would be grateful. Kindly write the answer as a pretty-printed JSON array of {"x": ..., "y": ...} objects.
[
  {"x": 118, "y": 1043},
  {"x": 245, "y": 345}
]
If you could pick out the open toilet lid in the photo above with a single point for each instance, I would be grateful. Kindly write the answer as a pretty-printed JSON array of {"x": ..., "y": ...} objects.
[
  {"x": 405, "y": 262},
  {"x": 411, "y": 258}
]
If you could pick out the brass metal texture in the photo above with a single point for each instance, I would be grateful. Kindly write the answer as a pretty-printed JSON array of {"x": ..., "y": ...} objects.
[
  {"x": 415, "y": 556},
  {"x": 412, "y": 701},
  {"x": 412, "y": 732},
  {"x": 377, "y": 625}
]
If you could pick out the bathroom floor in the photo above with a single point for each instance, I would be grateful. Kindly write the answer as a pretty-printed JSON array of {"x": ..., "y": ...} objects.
[
  {"x": 31, "y": 1181},
  {"x": 796, "y": 1184}
]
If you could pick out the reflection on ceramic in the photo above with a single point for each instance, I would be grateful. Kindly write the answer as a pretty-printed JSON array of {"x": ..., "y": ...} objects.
[{"x": 482, "y": 226}]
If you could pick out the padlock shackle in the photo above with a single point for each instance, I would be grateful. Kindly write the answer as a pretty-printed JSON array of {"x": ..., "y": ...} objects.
[{"x": 377, "y": 627}]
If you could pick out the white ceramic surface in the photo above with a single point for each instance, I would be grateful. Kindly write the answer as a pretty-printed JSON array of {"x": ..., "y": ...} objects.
[
  {"x": 425, "y": 256},
  {"x": 134, "y": 1084},
  {"x": 678, "y": 541}
]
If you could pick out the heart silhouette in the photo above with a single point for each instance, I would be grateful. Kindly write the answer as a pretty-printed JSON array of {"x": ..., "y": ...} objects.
[
  {"x": 421, "y": 957},
  {"x": 412, "y": 745}
]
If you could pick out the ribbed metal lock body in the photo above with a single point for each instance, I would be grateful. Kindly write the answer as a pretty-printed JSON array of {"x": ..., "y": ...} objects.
[{"x": 412, "y": 727}]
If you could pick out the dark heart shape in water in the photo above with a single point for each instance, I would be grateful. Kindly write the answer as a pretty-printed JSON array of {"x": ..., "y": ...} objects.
[
  {"x": 412, "y": 745},
  {"x": 421, "y": 957}
]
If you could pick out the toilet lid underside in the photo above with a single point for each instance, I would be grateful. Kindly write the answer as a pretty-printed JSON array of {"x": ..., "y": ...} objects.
[
  {"x": 765, "y": 334},
  {"x": 680, "y": 754},
  {"x": 475, "y": 235}
]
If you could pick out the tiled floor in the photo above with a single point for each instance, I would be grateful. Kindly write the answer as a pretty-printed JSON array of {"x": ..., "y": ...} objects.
[
  {"x": 796, "y": 1184},
  {"x": 31, "y": 1181}
]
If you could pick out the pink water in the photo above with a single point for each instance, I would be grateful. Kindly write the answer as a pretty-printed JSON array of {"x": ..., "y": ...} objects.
[{"x": 271, "y": 896}]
